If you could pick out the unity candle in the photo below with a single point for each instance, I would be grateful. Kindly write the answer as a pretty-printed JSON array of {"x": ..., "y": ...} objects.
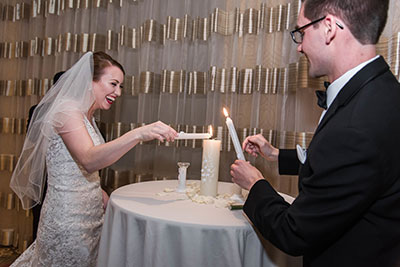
[
  {"x": 238, "y": 148},
  {"x": 210, "y": 167}
]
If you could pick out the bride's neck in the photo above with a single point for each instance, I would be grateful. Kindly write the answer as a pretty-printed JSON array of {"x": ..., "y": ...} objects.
[{"x": 91, "y": 112}]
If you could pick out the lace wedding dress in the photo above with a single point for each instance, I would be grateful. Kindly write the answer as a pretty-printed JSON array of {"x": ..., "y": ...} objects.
[{"x": 72, "y": 213}]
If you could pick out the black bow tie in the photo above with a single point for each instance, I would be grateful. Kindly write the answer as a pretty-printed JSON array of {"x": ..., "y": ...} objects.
[{"x": 321, "y": 95}]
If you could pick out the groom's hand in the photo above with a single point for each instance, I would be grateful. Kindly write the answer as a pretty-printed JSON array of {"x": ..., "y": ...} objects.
[{"x": 244, "y": 174}]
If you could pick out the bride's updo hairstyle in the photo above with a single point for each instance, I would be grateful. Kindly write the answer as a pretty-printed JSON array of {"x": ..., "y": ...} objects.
[{"x": 101, "y": 61}]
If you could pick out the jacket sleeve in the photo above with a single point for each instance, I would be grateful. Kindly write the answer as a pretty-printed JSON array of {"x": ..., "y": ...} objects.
[
  {"x": 336, "y": 192},
  {"x": 288, "y": 163},
  {"x": 31, "y": 110}
]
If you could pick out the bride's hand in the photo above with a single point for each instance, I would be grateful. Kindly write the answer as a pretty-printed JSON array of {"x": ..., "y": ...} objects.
[
  {"x": 105, "y": 199},
  {"x": 157, "y": 130}
]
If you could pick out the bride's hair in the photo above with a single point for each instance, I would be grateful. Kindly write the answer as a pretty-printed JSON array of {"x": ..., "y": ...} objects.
[{"x": 101, "y": 61}]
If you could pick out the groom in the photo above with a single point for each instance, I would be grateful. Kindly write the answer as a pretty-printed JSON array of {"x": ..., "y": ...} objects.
[{"x": 347, "y": 212}]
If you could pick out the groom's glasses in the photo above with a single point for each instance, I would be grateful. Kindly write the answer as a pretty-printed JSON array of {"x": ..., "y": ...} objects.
[{"x": 298, "y": 34}]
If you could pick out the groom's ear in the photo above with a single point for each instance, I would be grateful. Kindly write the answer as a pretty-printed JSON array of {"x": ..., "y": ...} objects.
[{"x": 330, "y": 28}]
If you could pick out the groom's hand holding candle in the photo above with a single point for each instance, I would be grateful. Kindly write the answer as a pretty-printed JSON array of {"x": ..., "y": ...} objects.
[{"x": 244, "y": 174}]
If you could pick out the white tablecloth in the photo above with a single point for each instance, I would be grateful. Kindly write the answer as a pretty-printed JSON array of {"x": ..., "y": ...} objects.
[{"x": 146, "y": 229}]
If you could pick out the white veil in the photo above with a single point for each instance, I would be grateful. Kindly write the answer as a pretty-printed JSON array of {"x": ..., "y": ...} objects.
[{"x": 69, "y": 99}]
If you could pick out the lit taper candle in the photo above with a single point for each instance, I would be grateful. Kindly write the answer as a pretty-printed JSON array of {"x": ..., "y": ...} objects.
[
  {"x": 233, "y": 134},
  {"x": 236, "y": 190}
]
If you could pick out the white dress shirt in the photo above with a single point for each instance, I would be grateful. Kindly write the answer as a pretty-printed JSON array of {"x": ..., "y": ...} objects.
[{"x": 337, "y": 85}]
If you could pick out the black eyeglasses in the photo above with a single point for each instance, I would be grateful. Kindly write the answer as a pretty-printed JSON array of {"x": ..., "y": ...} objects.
[{"x": 298, "y": 34}]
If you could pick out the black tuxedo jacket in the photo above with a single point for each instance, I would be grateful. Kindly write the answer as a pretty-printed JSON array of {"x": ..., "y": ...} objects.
[{"x": 347, "y": 212}]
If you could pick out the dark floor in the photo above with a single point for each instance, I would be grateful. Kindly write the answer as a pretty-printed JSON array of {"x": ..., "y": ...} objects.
[{"x": 7, "y": 256}]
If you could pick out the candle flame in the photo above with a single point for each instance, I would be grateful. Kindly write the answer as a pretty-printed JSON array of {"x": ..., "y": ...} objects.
[
  {"x": 225, "y": 112},
  {"x": 210, "y": 130}
]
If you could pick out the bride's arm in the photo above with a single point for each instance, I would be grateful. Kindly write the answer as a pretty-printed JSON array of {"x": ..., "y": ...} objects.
[{"x": 94, "y": 158}]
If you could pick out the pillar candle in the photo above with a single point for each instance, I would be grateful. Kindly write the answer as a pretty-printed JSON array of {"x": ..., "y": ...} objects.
[{"x": 210, "y": 167}]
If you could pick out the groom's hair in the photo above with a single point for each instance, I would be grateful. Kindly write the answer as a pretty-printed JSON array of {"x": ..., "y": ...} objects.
[{"x": 365, "y": 19}]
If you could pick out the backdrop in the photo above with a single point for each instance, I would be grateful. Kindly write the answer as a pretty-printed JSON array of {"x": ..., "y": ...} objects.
[{"x": 185, "y": 60}]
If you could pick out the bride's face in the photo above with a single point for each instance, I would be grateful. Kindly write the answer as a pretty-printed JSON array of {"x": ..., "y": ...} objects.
[{"x": 108, "y": 88}]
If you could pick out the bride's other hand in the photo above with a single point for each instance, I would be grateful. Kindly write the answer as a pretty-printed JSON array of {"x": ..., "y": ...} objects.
[
  {"x": 157, "y": 130},
  {"x": 105, "y": 199}
]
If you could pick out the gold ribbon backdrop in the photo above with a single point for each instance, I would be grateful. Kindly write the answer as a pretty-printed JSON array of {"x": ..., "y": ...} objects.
[{"x": 184, "y": 61}]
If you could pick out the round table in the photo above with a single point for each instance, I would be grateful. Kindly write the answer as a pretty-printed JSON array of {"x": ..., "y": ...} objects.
[{"x": 148, "y": 228}]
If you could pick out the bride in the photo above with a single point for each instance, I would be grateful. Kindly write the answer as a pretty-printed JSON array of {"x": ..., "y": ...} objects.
[{"x": 64, "y": 141}]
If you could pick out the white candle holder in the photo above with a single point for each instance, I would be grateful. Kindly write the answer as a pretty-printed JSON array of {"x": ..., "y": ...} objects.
[{"x": 182, "y": 176}]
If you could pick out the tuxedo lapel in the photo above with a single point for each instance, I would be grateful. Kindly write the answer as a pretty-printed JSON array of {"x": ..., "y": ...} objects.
[{"x": 358, "y": 81}]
